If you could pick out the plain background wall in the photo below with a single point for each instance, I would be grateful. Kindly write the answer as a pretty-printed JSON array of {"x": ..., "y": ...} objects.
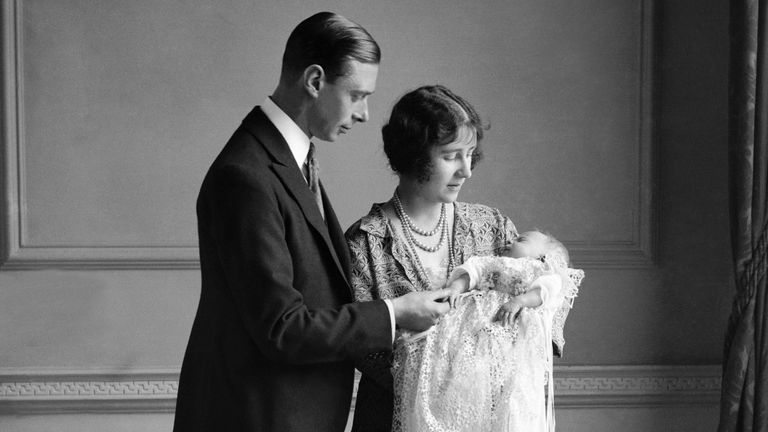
[{"x": 123, "y": 105}]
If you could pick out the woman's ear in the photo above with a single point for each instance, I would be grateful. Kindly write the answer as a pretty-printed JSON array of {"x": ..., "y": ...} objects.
[{"x": 313, "y": 79}]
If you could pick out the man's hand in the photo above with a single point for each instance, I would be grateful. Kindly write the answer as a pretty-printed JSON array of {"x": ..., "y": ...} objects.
[{"x": 419, "y": 311}]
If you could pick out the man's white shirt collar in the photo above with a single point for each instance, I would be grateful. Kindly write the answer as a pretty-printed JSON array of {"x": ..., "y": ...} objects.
[{"x": 298, "y": 141}]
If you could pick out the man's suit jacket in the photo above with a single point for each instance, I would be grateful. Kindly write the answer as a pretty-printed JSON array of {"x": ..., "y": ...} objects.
[{"x": 276, "y": 331}]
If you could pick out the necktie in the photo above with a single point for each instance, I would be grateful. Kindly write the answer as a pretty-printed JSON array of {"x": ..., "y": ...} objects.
[{"x": 313, "y": 177}]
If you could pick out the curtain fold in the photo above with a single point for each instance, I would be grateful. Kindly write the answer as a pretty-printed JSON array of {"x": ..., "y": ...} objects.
[{"x": 744, "y": 399}]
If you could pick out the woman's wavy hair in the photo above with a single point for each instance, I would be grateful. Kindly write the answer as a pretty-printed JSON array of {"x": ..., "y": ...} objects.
[{"x": 429, "y": 116}]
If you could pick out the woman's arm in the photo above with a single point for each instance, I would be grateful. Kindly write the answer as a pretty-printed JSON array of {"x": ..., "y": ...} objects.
[
  {"x": 376, "y": 365},
  {"x": 361, "y": 276}
]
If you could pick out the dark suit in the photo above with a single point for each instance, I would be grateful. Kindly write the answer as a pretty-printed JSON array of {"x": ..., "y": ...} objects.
[{"x": 272, "y": 344}]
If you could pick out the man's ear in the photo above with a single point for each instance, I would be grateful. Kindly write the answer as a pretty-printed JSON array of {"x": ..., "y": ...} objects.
[{"x": 313, "y": 79}]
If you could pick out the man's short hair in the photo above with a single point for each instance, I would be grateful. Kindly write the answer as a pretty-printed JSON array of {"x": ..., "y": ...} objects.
[{"x": 329, "y": 40}]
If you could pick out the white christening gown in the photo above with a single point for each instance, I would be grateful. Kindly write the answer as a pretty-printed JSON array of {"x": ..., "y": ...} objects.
[{"x": 471, "y": 373}]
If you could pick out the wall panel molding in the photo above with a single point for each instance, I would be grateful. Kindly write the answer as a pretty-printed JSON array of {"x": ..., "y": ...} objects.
[
  {"x": 34, "y": 391},
  {"x": 641, "y": 251},
  {"x": 17, "y": 254}
]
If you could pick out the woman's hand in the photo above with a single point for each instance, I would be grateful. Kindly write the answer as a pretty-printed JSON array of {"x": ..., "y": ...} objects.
[{"x": 509, "y": 311}]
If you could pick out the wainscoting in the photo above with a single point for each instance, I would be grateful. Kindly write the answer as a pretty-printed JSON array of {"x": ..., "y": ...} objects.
[
  {"x": 609, "y": 129},
  {"x": 588, "y": 398}
]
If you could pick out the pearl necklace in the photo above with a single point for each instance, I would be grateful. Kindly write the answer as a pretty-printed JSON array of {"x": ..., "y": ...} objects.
[
  {"x": 412, "y": 226},
  {"x": 408, "y": 227},
  {"x": 413, "y": 243}
]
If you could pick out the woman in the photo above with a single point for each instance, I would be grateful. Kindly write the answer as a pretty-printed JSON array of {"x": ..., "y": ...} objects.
[{"x": 413, "y": 241}]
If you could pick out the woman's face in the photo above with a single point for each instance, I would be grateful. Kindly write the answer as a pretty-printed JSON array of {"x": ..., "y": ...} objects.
[{"x": 451, "y": 167}]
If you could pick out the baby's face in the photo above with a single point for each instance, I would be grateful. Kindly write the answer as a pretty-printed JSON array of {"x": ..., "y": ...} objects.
[{"x": 531, "y": 244}]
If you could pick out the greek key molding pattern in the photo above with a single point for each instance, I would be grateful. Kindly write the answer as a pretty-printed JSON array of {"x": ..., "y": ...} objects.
[
  {"x": 638, "y": 384},
  {"x": 50, "y": 391},
  {"x": 46, "y": 392},
  {"x": 169, "y": 388},
  {"x": 97, "y": 389}
]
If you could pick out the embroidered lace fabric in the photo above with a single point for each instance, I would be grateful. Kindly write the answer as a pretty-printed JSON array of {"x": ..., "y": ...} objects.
[
  {"x": 470, "y": 373},
  {"x": 382, "y": 268}
]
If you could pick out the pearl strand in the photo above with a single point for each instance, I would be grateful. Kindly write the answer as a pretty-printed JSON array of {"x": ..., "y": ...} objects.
[
  {"x": 407, "y": 229},
  {"x": 412, "y": 243},
  {"x": 408, "y": 221}
]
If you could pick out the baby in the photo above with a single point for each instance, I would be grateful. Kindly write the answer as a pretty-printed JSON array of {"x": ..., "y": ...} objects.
[
  {"x": 495, "y": 270},
  {"x": 486, "y": 366}
]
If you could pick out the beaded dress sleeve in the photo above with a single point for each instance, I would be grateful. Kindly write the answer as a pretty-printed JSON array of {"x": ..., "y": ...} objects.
[{"x": 375, "y": 366}]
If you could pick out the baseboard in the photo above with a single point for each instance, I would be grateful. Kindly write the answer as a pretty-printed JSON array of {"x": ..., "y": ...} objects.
[
  {"x": 627, "y": 386},
  {"x": 56, "y": 391}
]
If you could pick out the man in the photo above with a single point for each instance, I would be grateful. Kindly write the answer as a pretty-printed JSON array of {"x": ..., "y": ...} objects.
[{"x": 276, "y": 331}]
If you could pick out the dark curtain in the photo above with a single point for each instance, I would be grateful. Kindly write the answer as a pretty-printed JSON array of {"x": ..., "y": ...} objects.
[{"x": 744, "y": 399}]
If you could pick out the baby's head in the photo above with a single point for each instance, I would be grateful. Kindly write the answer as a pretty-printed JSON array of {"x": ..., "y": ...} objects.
[{"x": 536, "y": 244}]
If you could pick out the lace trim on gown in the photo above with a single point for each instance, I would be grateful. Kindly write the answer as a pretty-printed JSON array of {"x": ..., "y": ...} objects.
[
  {"x": 471, "y": 373},
  {"x": 438, "y": 276}
]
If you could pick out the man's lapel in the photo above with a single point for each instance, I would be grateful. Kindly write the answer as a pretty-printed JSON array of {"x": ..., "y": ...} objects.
[
  {"x": 337, "y": 236},
  {"x": 284, "y": 166}
]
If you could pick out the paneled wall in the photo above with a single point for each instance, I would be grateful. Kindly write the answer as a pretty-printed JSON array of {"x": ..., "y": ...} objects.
[{"x": 608, "y": 129}]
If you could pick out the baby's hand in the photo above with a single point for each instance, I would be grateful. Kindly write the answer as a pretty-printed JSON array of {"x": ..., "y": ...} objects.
[
  {"x": 458, "y": 286},
  {"x": 509, "y": 311}
]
